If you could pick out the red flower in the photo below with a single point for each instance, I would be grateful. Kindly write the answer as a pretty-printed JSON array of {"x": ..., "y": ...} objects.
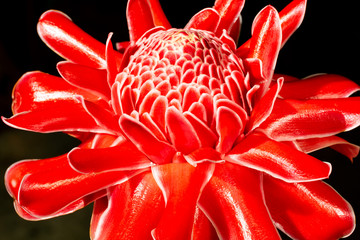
[{"x": 183, "y": 134}]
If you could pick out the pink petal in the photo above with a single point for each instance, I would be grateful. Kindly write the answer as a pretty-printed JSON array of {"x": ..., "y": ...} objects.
[
  {"x": 87, "y": 78},
  {"x": 293, "y": 119},
  {"x": 181, "y": 132},
  {"x": 310, "y": 210},
  {"x": 319, "y": 86},
  {"x": 234, "y": 202},
  {"x": 180, "y": 197},
  {"x": 229, "y": 11},
  {"x": 263, "y": 108},
  {"x": 207, "y": 19},
  {"x": 265, "y": 44},
  {"x": 337, "y": 143},
  {"x": 277, "y": 159},
  {"x": 157, "y": 151},
  {"x": 69, "y": 41},
  {"x": 47, "y": 192},
  {"x": 135, "y": 206}
]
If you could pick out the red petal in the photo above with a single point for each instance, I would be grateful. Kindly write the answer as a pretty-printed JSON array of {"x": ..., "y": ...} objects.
[
  {"x": 234, "y": 202},
  {"x": 277, "y": 159},
  {"x": 229, "y": 127},
  {"x": 291, "y": 17},
  {"x": 337, "y": 143},
  {"x": 139, "y": 18},
  {"x": 181, "y": 132},
  {"x": 87, "y": 78},
  {"x": 113, "y": 61},
  {"x": 47, "y": 192},
  {"x": 37, "y": 89},
  {"x": 203, "y": 228},
  {"x": 180, "y": 197},
  {"x": 64, "y": 116},
  {"x": 319, "y": 86},
  {"x": 158, "y": 14},
  {"x": 206, "y": 136},
  {"x": 69, "y": 41},
  {"x": 135, "y": 206},
  {"x": 293, "y": 119},
  {"x": 207, "y": 19},
  {"x": 310, "y": 210},
  {"x": 104, "y": 117},
  {"x": 122, "y": 156},
  {"x": 263, "y": 108},
  {"x": 265, "y": 44},
  {"x": 77, "y": 205},
  {"x": 229, "y": 11},
  {"x": 204, "y": 155},
  {"x": 157, "y": 151},
  {"x": 235, "y": 30}
]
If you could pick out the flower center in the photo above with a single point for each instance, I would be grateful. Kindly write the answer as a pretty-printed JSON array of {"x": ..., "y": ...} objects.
[
  {"x": 178, "y": 82},
  {"x": 175, "y": 59}
]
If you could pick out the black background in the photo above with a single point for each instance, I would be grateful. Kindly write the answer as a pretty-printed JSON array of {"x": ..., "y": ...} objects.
[{"x": 327, "y": 42}]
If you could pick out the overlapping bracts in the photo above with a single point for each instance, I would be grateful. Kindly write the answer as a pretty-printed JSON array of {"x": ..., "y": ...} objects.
[{"x": 185, "y": 135}]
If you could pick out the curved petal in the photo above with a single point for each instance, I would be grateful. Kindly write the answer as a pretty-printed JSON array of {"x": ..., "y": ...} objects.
[
  {"x": 87, "y": 78},
  {"x": 158, "y": 14},
  {"x": 233, "y": 200},
  {"x": 295, "y": 119},
  {"x": 45, "y": 193},
  {"x": 264, "y": 107},
  {"x": 229, "y": 11},
  {"x": 113, "y": 62},
  {"x": 35, "y": 90},
  {"x": 207, "y": 19},
  {"x": 319, "y": 86},
  {"x": 302, "y": 209},
  {"x": 181, "y": 132},
  {"x": 122, "y": 156},
  {"x": 229, "y": 127},
  {"x": 206, "y": 136},
  {"x": 290, "y": 18},
  {"x": 69, "y": 41},
  {"x": 180, "y": 197},
  {"x": 335, "y": 142},
  {"x": 135, "y": 206},
  {"x": 203, "y": 228},
  {"x": 157, "y": 151},
  {"x": 139, "y": 18},
  {"x": 63, "y": 116},
  {"x": 277, "y": 159},
  {"x": 265, "y": 44},
  {"x": 77, "y": 205}
]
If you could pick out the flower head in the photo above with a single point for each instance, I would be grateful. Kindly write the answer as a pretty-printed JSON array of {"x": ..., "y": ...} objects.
[{"x": 183, "y": 134}]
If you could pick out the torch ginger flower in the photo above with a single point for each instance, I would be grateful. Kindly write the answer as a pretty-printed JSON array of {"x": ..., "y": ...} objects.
[{"x": 183, "y": 134}]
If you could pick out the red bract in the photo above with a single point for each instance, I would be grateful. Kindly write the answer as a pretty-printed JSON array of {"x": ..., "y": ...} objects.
[{"x": 185, "y": 135}]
